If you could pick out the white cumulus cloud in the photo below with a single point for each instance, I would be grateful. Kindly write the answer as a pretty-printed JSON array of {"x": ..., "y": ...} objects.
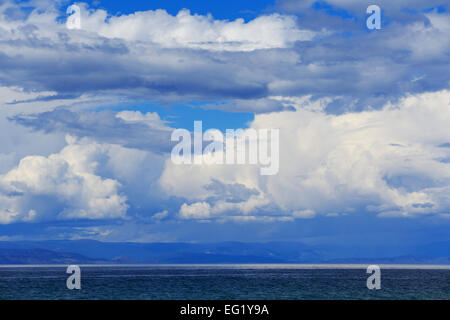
[
  {"x": 393, "y": 161},
  {"x": 39, "y": 185},
  {"x": 188, "y": 30}
]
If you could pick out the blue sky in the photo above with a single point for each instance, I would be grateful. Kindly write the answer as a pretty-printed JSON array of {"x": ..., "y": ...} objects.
[
  {"x": 229, "y": 10},
  {"x": 86, "y": 118}
]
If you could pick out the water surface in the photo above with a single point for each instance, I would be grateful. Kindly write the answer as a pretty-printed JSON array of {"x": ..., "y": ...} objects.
[{"x": 186, "y": 282}]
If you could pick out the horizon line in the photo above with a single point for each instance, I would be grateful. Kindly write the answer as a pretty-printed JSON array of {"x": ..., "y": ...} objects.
[{"x": 398, "y": 266}]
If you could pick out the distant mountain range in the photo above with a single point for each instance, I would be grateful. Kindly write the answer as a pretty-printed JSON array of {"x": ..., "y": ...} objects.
[
  {"x": 42, "y": 256},
  {"x": 95, "y": 252}
]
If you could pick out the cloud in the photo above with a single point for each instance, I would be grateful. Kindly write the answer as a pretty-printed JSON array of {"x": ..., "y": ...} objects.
[
  {"x": 234, "y": 193},
  {"x": 62, "y": 186},
  {"x": 334, "y": 164},
  {"x": 306, "y": 214},
  {"x": 196, "y": 31},
  {"x": 357, "y": 8},
  {"x": 198, "y": 210},
  {"x": 160, "y": 215},
  {"x": 362, "y": 115},
  {"x": 155, "y": 56},
  {"x": 130, "y": 129},
  {"x": 139, "y": 55}
]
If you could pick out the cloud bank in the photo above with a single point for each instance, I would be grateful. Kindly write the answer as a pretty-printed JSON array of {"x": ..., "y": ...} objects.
[
  {"x": 363, "y": 116},
  {"x": 155, "y": 56},
  {"x": 392, "y": 161}
]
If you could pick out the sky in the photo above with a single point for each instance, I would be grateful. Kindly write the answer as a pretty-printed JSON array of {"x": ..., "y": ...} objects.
[{"x": 86, "y": 117}]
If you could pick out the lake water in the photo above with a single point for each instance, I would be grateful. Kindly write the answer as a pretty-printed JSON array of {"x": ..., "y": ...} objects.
[{"x": 226, "y": 282}]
